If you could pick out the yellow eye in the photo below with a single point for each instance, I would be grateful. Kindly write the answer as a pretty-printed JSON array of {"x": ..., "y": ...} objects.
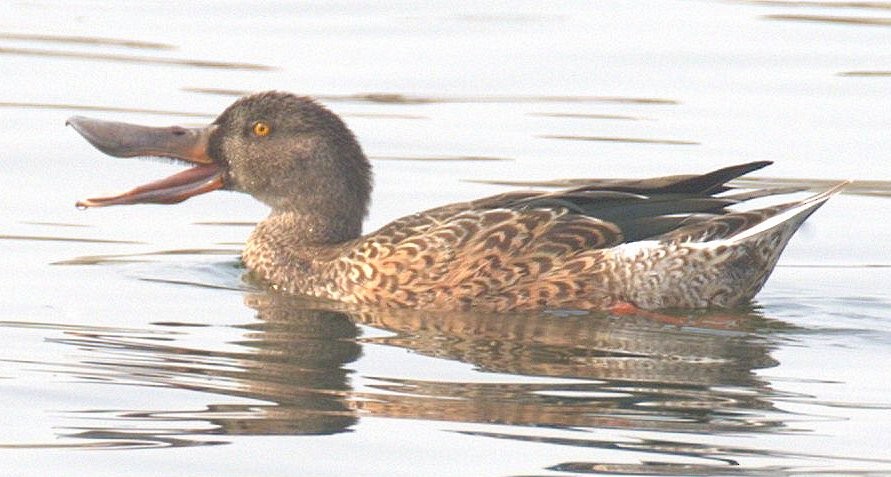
[{"x": 261, "y": 129}]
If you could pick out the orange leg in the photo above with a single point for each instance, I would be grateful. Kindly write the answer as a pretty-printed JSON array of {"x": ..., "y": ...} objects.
[
  {"x": 624, "y": 308},
  {"x": 709, "y": 320}
]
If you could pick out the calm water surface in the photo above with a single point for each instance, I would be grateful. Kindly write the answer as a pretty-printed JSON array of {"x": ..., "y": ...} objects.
[{"x": 131, "y": 344}]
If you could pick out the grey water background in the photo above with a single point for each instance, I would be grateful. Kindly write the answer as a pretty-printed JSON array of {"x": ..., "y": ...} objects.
[{"x": 131, "y": 345}]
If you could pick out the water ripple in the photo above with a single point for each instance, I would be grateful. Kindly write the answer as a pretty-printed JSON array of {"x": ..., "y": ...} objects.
[{"x": 151, "y": 60}]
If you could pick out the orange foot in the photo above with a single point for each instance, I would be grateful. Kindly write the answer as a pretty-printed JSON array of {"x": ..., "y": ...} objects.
[
  {"x": 713, "y": 321},
  {"x": 624, "y": 308}
]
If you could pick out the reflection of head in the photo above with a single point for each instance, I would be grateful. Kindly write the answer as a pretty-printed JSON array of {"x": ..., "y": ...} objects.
[{"x": 298, "y": 364}]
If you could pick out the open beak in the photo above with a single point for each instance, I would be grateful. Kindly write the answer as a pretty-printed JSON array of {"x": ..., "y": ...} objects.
[{"x": 130, "y": 140}]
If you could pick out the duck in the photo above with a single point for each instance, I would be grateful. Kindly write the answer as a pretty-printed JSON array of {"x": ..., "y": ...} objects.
[{"x": 672, "y": 242}]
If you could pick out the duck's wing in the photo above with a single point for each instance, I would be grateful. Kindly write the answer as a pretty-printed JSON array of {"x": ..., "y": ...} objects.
[
  {"x": 496, "y": 241},
  {"x": 600, "y": 214}
]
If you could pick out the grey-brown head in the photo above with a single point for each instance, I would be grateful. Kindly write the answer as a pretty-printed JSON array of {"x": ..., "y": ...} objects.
[{"x": 285, "y": 150}]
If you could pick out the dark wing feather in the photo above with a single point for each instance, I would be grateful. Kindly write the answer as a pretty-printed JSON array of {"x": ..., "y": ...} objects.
[
  {"x": 640, "y": 209},
  {"x": 711, "y": 183},
  {"x": 714, "y": 182},
  {"x": 649, "y": 207}
]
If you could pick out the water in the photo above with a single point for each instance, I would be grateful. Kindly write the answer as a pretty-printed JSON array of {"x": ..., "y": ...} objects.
[{"x": 130, "y": 331}]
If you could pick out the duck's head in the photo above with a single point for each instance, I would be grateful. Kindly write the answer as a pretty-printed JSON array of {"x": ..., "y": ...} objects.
[{"x": 285, "y": 150}]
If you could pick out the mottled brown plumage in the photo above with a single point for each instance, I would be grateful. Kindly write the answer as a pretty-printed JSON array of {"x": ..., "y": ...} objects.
[{"x": 656, "y": 243}]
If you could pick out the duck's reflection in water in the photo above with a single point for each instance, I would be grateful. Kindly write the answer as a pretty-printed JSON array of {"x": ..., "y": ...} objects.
[{"x": 691, "y": 374}]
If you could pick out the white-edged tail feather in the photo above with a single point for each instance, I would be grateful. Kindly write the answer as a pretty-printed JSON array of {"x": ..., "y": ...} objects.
[{"x": 791, "y": 218}]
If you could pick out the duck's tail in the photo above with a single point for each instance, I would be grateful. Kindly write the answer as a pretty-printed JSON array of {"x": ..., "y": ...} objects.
[
  {"x": 760, "y": 245},
  {"x": 741, "y": 227},
  {"x": 784, "y": 219},
  {"x": 717, "y": 261}
]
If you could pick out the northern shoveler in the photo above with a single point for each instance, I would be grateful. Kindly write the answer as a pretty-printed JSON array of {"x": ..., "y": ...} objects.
[{"x": 666, "y": 242}]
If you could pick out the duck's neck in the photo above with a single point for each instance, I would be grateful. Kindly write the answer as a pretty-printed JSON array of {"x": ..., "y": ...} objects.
[
  {"x": 295, "y": 228},
  {"x": 292, "y": 250}
]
